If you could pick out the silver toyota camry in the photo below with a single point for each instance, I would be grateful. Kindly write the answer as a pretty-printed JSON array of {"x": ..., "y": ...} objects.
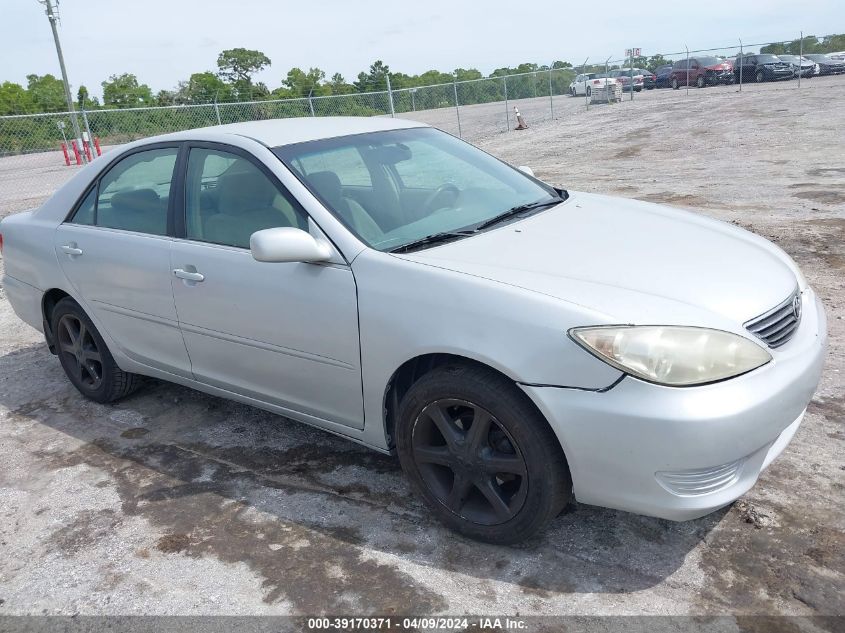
[{"x": 515, "y": 344}]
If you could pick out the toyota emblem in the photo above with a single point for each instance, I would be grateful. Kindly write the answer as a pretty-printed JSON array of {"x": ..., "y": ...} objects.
[{"x": 796, "y": 307}]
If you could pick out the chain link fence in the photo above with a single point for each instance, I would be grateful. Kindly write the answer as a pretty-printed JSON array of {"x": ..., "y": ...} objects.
[{"x": 38, "y": 153}]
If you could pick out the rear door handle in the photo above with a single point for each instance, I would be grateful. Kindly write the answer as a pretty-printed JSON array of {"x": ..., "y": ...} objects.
[
  {"x": 69, "y": 249},
  {"x": 189, "y": 276}
]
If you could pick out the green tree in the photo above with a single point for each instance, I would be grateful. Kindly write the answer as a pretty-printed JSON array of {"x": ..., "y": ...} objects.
[
  {"x": 124, "y": 91},
  {"x": 14, "y": 99},
  {"x": 47, "y": 92},
  {"x": 238, "y": 65},
  {"x": 302, "y": 84},
  {"x": 338, "y": 85},
  {"x": 84, "y": 100},
  {"x": 206, "y": 87},
  {"x": 376, "y": 79},
  {"x": 467, "y": 74},
  {"x": 557, "y": 65},
  {"x": 655, "y": 61}
]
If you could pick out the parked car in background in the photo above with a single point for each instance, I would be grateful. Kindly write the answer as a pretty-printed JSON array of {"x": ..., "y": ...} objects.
[
  {"x": 516, "y": 345},
  {"x": 701, "y": 72},
  {"x": 839, "y": 55},
  {"x": 629, "y": 79},
  {"x": 762, "y": 68},
  {"x": 649, "y": 78},
  {"x": 584, "y": 83},
  {"x": 800, "y": 65},
  {"x": 663, "y": 75},
  {"x": 827, "y": 65}
]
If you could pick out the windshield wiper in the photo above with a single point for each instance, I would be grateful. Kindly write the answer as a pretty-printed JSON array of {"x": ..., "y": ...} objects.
[
  {"x": 436, "y": 238},
  {"x": 522, "y": 208}
]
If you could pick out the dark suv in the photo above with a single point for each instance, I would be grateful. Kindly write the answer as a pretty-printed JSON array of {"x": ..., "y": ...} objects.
[
  {"x": 701, "y": 71},
  {"x": 762, "y": 68}
]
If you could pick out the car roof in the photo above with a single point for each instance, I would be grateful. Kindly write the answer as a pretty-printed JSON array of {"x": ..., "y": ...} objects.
[{"x": 276, "y": 132}]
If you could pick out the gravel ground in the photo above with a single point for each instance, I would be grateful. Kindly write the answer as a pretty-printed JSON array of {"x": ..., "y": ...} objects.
[{"x": 174, "y": 502}]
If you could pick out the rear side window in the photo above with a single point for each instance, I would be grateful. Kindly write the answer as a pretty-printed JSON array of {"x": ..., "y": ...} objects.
[{"x": 133, "y": 195}]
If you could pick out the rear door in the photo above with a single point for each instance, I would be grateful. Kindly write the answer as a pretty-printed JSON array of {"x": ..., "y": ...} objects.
[
  {"x": 282, "y": 333},
  {"x": 115, "y": 251}
]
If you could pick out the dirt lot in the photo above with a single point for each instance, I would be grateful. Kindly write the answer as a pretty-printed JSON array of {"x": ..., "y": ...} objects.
[{"x": 174, "y": 502}]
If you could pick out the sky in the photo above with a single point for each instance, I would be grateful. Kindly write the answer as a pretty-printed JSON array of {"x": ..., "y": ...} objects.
[{"x": 164, "y": 41}]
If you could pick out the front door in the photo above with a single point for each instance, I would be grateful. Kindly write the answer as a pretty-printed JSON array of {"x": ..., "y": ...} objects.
[
  {"x": 283, "y": 333},
  {"x": 115, "y": 252}
]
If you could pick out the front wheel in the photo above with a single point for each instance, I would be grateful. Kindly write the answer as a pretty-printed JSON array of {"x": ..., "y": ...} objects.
[
  {"x": 85, "y": 358},
  {"x": 701, "y": 81},
  {"x": 760, "y": 77},
  {"x": 480, "y": 455},
  {"x": 589, "y": 91},
  {"x": 675, "y": 84}
]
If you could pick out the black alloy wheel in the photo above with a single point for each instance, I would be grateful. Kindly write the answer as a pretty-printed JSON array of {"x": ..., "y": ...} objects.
[
  {"x": 80, "y": 354},
  {"x": 480, "y": 454},
  {"x": 85, "y": 357},
  {"x": 470, "y": 462}
]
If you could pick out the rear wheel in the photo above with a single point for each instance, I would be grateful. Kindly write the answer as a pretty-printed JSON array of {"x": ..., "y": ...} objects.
[
  {"x": 85, "y": 358},
  {"x": 480, "y": 455},
  {"x": 589, "y": 91},
  {"x": 760, "y": 77},
  {"x": 675, "y": 84}
]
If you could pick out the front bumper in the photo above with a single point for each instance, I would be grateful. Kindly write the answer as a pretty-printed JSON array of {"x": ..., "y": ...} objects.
[{"x": 680, "y": 453}]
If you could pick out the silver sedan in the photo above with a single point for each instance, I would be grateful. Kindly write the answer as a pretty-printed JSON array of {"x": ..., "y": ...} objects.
[{"x": 517, "y": 345}]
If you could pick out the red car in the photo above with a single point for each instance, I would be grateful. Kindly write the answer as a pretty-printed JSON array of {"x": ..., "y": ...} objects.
[{"x": 701, "y": 71}]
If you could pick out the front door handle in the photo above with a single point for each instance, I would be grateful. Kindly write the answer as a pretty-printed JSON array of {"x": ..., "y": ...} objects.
[
  {"x": 188, "y": 275},
  {"x": 70, "y": 249}
]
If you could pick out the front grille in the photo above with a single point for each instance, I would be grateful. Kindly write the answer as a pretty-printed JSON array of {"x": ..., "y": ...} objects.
[{"x": 777, "y": 326}]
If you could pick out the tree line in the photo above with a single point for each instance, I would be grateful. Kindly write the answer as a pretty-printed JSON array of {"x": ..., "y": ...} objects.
[{"x": 233, "y": 81}]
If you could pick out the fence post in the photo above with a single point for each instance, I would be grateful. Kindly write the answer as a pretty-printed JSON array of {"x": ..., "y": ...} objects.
[
  {"x": 631, "y": 73},
  {"x": 217, "y": 111},
  {"x": 87, "y": 127},
  {"x": 311, "y": 103},
  {"x": 687, "y": 48},
  {"x": 507, "y": 112},
  {"x": 800, "y": 56},
  {"x": 741, "y": 63},
  {"x": 586, "y": 96},
  {"x": 457, "y": 109},
  {"x": 551, "y": 93},
  {"x": 390, "y": 96}
]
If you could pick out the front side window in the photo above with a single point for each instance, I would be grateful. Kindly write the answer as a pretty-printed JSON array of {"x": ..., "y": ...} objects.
[
  {"x": 134, "y": 194},
  {"x": 422, "y": 182},
  {"x": 228, "y": 198}
]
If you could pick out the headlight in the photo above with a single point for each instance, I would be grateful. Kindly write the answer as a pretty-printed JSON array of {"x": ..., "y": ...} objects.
[{"x": 672, "y": 355}]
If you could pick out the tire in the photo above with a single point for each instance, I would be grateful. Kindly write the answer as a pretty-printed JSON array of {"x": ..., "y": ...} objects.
[
  {"x": 95, "y": 374},
  {"x": 675, "y": 84},
  {"x": 457, "y": 478},
  {"x": 701, "y": 81},
  {"x": 589, "y": 91},
  {"x": 760, "y": 77}
]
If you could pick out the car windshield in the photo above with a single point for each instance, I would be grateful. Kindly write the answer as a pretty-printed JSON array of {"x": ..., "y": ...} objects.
[
  {"x": 788, "y": 58},
  {"x": 398, "y": 187},
  {"x": 767, "y": 59},
  {"x": 818, "y": 57},
  {"x": 709, "y": 61}
]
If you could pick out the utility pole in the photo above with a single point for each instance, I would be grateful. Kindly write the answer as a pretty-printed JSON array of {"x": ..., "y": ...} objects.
[{"x": 54, "y": 18}]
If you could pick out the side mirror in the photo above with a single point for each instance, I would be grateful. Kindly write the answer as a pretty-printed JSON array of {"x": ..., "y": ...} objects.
[
  {"x": 287, "y": 244},
  {"x": 526, "y": 170}
]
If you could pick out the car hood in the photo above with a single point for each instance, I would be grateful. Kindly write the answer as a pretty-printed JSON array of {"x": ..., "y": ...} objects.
[{"x": 628, "y": 260}]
